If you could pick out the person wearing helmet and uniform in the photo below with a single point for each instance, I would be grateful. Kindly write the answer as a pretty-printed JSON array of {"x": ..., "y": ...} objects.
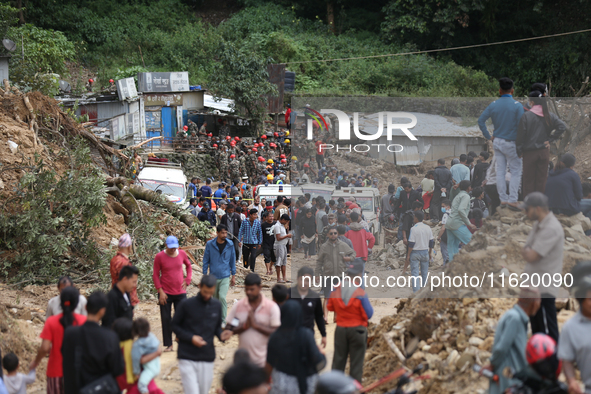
[
  {"x": 234, "y": 167},
  {"x": 223, "y": 163},
  {"x": 511, "y": 339}
]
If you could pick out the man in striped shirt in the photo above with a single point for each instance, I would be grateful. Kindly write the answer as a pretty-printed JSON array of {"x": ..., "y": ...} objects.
[{"x": 250, "y": 238}]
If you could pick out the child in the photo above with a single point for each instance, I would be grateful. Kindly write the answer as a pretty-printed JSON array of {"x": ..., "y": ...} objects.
[
  {"x": 16, "y": 382},
  {"x": 146, "y": 343},
  {"x": 442, "y": 237},
  {"x": 475, "y": 217}
]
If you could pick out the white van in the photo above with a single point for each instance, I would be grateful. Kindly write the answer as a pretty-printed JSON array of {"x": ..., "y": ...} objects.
[
  {"x": 271, "y": 192},
  {"x": 167, "y": 178},
  {"x": 369, "y": 200}
]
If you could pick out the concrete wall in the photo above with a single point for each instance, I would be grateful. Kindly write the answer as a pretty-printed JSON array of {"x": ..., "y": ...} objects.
[{"x": 193, "y": 100}]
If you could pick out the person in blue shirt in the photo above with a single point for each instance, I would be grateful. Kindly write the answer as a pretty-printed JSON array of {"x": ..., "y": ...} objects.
[
  {"x": 218, "y": 193},
  {"x": 193, "y": 187},
  {"x": 207, "y": 215},
  {"x": 206, "y": 189},
  {"x": 505, "y": 113},
  {"x": 219, "y": 260},
  {"x": 459, "y": 172}
]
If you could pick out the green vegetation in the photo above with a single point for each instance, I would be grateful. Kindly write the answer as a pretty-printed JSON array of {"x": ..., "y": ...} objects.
[
  {"x": 48, "y": 222},
  {"x": 120, "y": 38}
]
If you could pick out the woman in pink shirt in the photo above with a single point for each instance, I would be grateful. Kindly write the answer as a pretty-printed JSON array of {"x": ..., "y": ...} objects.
[{"x": 171, "y": 284}]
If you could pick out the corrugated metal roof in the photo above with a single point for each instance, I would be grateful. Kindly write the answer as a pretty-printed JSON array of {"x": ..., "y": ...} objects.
[
  {"x": 409, "y": 156},
  {"x": 427, "y": 126},
  {"x": 223, "y": 105}
]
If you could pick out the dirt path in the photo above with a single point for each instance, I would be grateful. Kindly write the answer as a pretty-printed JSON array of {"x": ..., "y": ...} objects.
[{"x": 34, "y": 300}]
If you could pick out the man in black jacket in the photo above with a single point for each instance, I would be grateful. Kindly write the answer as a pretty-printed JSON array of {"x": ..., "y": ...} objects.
[
  {"x": 90, "y": 351},
  {"x": 310, "y": 302},
  {"x": 443, "y": 184},
  {"x": 408, "y": 196},
  {"x": 195, "y": 323},
  {"x": 119, "y": 300},
  {"x": 534, "y": 135},
  {"x": 233, "y": 221}
]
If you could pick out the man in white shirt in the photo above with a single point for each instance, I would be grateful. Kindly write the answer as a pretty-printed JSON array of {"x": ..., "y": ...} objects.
[
  {"x": 280, "y": 246},
  {"x": 442, "y": 237},
  {"x": 54, "y": 307},
  {"x": 420, "y": 246}
]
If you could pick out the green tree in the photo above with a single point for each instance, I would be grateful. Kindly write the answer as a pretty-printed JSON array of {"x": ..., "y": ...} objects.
[
  {"x": 243, "y": 76},
  {"x": 44, "y": 62},
  {"x": 49, "y": 219}
]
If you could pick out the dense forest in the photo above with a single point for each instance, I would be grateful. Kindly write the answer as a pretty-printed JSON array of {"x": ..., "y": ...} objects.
[{"x": 118, "y": 38}]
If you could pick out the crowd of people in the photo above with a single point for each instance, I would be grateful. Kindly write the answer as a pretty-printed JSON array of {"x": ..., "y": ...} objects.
[{"x": 100, "y": 341}]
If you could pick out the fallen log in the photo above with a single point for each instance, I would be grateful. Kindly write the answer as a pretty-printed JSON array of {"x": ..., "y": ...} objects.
[{"x": 142, "y": 193}]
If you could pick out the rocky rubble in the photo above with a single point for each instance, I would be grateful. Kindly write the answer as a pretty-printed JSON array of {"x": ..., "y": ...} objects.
[{"x": 451, "y": 334}]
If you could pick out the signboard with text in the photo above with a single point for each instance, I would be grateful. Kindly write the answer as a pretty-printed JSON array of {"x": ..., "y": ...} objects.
[
  {"x": 126, "y": 88},
  {"x": 163, "y": 82},
  {"x": 163, "y": 99}
]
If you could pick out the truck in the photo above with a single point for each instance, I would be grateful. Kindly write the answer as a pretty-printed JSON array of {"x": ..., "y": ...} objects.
[{"x": 167, "y": 178}]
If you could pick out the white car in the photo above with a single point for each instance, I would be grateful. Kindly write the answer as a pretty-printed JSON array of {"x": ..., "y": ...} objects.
[
  {"x": 167, "y": 178},
  {"x": 317, "y": 190}
]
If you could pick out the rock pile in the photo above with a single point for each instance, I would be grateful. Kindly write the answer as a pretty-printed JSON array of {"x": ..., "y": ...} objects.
[{"x": 451, "y": 334}]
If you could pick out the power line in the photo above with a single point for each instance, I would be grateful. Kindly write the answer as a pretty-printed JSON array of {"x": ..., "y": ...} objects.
[{"x": 443, "y": 49}]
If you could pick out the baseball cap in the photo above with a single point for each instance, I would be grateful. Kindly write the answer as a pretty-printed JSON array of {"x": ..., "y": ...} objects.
[
  {"x": 534, "y": 199},
  {"x": 172, "y": 242}
]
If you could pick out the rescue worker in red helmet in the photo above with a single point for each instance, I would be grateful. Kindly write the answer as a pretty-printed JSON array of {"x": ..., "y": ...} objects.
[{"x": 544, "y": 367}]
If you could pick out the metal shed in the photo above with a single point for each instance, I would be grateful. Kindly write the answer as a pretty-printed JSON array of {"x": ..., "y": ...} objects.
[{"x": 437, "y": 137}]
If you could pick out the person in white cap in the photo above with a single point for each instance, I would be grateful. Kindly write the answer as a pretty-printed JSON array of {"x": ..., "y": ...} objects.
[{"x": 171, "y": 284}]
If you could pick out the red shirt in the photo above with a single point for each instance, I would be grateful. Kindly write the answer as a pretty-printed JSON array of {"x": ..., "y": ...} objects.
[
  {"x": 319, "y": 150},
  {"x": 53, "y": 331},
  {"x": 118, "y": 262},
  {"x": 287, "y": 115},
  {"x": 168, "y": 272},
  {"x": 350, "y": 315}
]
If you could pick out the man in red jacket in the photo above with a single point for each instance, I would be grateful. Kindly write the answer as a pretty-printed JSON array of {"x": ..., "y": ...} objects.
[
  {"x": 352, "y": 308},
  {"x": 361, "y": 239}
]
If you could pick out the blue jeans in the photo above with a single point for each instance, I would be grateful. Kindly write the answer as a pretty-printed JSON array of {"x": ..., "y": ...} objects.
[
  {"x": 444, "y": 255},
  {"x": 359, "y": 262},
  {"x": 419, "y": 260},
  {"x": 506, "y": 154},
  {"x": 454, "y": 237}
]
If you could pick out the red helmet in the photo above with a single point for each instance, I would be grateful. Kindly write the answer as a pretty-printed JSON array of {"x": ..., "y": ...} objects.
[
  {"x": 282, "y": 156},
  {"x": 209, "y": 135},
  {"x": 272, "y": 145},
  {"x": 256, "y": 145},
  {"x": 228, "y": 137},
  {"x": 90, "y": 80},
  {"x": 541, "y": 355},
  {"x": 215, "y": 145},
  {"x": 232, "y": 156},
  {"x": 307, "y": 165},
  {"x": 237, "y": 138},
  {"x": 233, "y": 143},
  {"x": 264, "y": 136},
  {"x": 185, "y": 128},
  {"x": 275, "y": 134},
  {"x": 111, "y": 81},
  {"x": 255, "y": 150},
  {"x": 261, "y": 159},
  {"x": 283, "y": 161}
]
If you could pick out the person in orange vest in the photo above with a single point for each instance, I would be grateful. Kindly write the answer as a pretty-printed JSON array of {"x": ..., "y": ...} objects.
[{"x": 352, "y": 308}]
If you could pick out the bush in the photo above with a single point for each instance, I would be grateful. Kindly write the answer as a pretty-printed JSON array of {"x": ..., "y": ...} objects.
[{"x": 49, "y": 220}]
